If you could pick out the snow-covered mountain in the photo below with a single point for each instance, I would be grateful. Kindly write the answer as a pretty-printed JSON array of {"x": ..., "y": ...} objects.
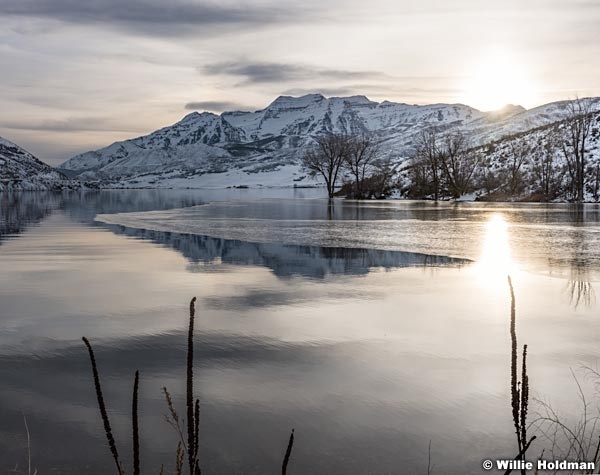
[
  {"x": 20, "y": 170},
  {"x": 264, "y": 147}
]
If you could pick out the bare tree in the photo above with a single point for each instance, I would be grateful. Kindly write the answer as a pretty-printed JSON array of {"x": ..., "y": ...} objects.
[
  {"x": 547, "y": 174},
  {"x": 577, "y": 130},
  {"x": 326, "y": 158},
  {"x": 458, "y": 163},
  {"x": 379, "y": 183},
  {"x": 596, "y": 186},
  {"x": 427, "y": 161},
  {"x": 489, "y": 179},
  {"x": 420, "y": 183},
  {"x": 443, "y": 163},
  {"x": 519, "y": 151},
  {"x": 361, "y": 159}
]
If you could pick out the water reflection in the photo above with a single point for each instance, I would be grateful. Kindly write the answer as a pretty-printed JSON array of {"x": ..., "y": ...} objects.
[
  {"x": 495, "y": 262},
  {"x": 581, "y": 292},
  {"x": 579, "y": 288},
  {"x": 287, "y": 260},
  {"x": 541, "y": 240},
  {"x": 18, "y": 211},
  {"x": 367, "y": 366}
]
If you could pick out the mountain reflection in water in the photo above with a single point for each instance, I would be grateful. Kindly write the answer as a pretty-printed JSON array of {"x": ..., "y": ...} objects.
[{"x": 286, "y": 260}]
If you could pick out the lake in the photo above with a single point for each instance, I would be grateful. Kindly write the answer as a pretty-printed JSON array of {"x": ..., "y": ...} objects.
[{"x": 375, "y": 329}]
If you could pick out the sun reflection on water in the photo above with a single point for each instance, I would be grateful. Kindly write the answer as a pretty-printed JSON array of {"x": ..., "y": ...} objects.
[{"x": 495, "y": 262}]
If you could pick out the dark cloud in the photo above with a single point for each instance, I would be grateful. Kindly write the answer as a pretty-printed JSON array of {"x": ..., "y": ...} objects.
[
  {"x": 264, "y": 72},
  {"x": 215, "y": 106},
  {"x": 73, "y": 124},
  {"x": 326, "y": 91},
  {"x": 389, "y": 91},
  {"x": 154, "y": 16}
]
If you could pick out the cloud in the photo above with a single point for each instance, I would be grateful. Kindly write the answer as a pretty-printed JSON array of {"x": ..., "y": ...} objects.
[
  {"x": 392, "y": 91},
  {"x": 326, "y": 91},
  {"x": 155, "y": 16},
  {"x": 256, "y": 72},
  {"x": 216, "y": 106},
  {"x": 72, "y": 124}
]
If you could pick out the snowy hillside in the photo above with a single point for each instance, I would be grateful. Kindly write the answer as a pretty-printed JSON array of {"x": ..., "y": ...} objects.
[
  {"x": 264, "y": 147},
  {"x": 19, "y": 170},
  {"x": 534, "y": 162},
  {"x": 534, "y": 165}
]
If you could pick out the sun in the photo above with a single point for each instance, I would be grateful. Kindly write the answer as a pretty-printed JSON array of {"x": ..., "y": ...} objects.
[{"x": 497, "y": 80}]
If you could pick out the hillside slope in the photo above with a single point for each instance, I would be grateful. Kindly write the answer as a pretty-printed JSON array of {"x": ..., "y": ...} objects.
[{"x": 20, "y": 170}]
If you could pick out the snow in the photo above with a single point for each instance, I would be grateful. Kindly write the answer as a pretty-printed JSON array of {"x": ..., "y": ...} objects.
[
  {"x": 285, "y": 176},
  {"x": 267, "y": 139},
  {"x": 264, "y": 146}
]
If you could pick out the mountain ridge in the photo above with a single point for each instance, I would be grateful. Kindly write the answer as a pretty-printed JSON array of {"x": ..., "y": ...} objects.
[
  {"x": 264, "y": 147},
  {"x": 20, "y": 170},
  {"x": 262, "y": 141}
]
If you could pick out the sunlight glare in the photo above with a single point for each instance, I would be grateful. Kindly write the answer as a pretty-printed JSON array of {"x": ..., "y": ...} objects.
[
  {"x": 495, "y": 262},
  {"x": 499, "y": 80}
]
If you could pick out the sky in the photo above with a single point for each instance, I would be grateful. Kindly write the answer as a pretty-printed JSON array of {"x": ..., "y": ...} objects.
[{"x": 78, "y": 75}]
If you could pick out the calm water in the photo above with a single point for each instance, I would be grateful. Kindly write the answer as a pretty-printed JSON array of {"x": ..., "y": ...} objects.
[{"x": 371, "y": 328}]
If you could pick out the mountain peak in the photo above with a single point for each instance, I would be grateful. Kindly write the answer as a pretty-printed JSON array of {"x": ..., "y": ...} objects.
[
  {"x": 198, "y": 118},
  {"x": 196, "y": 115},
  {"x": 356, "y": 100},
  {"x": 508, "y": 110},
  {"x": 296, "y": 102},
  {"x": 512, "y": 108}
]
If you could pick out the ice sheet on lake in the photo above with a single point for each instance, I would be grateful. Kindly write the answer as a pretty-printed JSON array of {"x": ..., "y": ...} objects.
[
  {"x": 248, "y": 221},
  {"x": 548, "y": 240}
]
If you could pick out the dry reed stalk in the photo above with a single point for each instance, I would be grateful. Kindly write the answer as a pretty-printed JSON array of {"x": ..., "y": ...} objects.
[
  {"x": 28, "y": 446},
  {"x": 101, "y": 405},
  {"x": 519, "y": 390},
  {"x": 197, "y": 434},
  {"x": 429, "y": 467},
  {"x": 173, "y": 420},
  {"x": 524, "y": 396},
  {"x": 190, "y": 392},
  {"x": 134, "y": 417},
  {"x": 288, "y": 452},
  {"x": 521, "y": 454},
  {"x": 595, "y": 460},
  {"x": 179, "y": 455},
  {"x": 514, "y": 386}
]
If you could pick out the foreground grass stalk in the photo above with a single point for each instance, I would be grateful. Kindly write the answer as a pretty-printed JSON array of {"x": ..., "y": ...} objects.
[
  {"x": 179, "y": 459},
  {"x": 28, "y": 445},
  {"x": 524, "y": 397},
  {"x": 519, "y": 390},
  {"x": 288, "y": 452},
  {"x": 196, "y": 433},
  {"x": 101, "y": 405},
  {"x": 514, "y": 387},
  {"x": 521, "y": 454},
  {"x": 595, "y": 459},
  {"x": 134, "y": 417},
  {"x": 193, "y": 416},
  {"x": 192, "y": 448}
]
